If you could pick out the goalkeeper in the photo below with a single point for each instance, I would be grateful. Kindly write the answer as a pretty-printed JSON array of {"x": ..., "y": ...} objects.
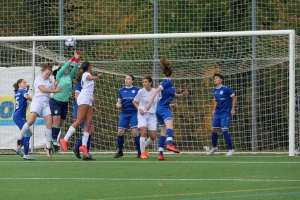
[{"x": 59, "y": 102}]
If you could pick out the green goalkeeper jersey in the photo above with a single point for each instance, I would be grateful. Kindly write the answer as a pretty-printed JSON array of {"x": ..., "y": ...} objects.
[{"x": 66, "y": 82}]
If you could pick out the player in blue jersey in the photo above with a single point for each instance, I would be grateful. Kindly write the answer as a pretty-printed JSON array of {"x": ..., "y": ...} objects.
[
  {"x": 19, "y": 117},
  {"x": 59, "y": 101},
  {"x": 225, "y": 101},
  {"x": 163, "y": 111},
  {"x": 91, "y": 130},
  {"x": 128, "y": 115}
]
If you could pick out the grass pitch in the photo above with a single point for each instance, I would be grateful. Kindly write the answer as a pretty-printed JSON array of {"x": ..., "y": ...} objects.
[{"x": 181, "y": 177}]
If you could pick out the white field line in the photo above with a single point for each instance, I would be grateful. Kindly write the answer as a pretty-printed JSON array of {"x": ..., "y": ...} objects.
[
  {"x": 145, "y": 179},
  {"x": 160, "y": 162}
]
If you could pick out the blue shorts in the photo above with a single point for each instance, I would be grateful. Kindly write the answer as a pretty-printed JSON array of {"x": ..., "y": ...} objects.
[
  {"x": 126, "y": 119},
  {"x": 20, "y": 121},
  {"x": 222, "y": 122},
  {"x": 58, "y": 108},
  {"x": 163, "y": 114}
]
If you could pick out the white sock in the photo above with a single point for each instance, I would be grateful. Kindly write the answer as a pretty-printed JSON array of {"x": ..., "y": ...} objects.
[
  {"x": 85, "y": 138},
  {"x": 69, "y": 133},
  {"x": 48, "y": 135},
  {"x": 142, "y": 144},
  {"x": 23, "y": 131},
  {"x": 148, "y": 142}
]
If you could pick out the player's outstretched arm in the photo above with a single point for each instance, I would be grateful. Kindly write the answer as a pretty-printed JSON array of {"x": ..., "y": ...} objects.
[{"x": 185, "y": 93}]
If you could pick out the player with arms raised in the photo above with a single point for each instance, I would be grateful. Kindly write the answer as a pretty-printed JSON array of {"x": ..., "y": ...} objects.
[
  {"x": 163, "y": 111},
  {"x": 224, "y": 108},
  {"x": 85, "y": 108}
]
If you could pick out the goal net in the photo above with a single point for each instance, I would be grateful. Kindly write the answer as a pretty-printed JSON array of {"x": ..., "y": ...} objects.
[{"x": 259, "y": 66}]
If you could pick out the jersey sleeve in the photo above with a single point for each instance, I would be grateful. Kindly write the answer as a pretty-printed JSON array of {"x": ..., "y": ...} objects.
[
  {"x": 38, "y": 81},
  {"x": 138, "y": 96},
  {"x": 73, "y": 72},
  {"x": 230, "y": 92},
  {"x": 165, "y": 84},
  {"x": 24, "y": 93},
  {"x": 61, "y": 72}
]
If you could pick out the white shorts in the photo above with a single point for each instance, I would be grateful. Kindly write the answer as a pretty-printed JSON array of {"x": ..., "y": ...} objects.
[
  {"x": 81, "y": 99},
  {"x": 148, "y": 120},
  {"x": 39, "y": 108}
]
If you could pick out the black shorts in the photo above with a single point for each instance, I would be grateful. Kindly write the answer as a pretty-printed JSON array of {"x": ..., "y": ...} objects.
[{"x": 58, "y": 108}]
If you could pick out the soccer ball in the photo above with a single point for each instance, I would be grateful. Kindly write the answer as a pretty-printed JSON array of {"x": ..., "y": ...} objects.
[{"x": 70, "y": 42}]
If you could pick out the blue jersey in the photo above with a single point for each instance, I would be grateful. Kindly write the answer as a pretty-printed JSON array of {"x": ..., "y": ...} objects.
[
  {"x": 224, "y": 101},
  {"x": 168, "y": 92},
  {"x": 21, "y": 103},
  {"x": 77, "y": 89},
  {"x": 126, "y": 95}
]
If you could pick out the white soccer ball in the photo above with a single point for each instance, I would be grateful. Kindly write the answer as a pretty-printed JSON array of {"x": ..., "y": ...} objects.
[{"x": 70, "y": 42}]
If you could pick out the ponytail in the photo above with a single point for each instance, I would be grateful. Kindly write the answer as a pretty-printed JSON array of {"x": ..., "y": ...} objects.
[{"x": 16, "y": 85}]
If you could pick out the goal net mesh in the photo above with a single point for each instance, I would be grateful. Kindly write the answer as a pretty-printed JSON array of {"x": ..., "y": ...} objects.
[{"x": 195, "y": 60}]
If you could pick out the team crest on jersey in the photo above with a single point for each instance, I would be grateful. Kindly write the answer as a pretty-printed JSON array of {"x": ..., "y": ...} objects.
[
  {"x": 133, "y": 91},
  {"x": 221, "y": 92},
  {"x": 55, "y": 111}
]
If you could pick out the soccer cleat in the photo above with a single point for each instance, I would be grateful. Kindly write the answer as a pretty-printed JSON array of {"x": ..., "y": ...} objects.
[
  {"x": 230, "y": 153},
  {"x": 212, "y": 151},
  {"x": 138, "y": 155},
  {"x": 64, "y": 144},
  {"x": 19, "y": 152},
  {"x": 172, "y": 148},
  {"x": 146, "y": 153},
  {"x": 143, "y": 156},
  {"x": 88, "y": 158},
  {"x": 119, "y": 154},
  {"x": 48, "y": 151},
  {"x": 84, "y": 150},
  {"x": 161, "y": 157},
  {"x": 76, "y": 153},
  {"x": 28, "y": 157}
]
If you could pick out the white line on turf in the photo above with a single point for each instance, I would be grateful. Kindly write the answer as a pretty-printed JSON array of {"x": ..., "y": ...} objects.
[
  {"x": 160, "y": 162},
  {"x": 151, "y": 179}
]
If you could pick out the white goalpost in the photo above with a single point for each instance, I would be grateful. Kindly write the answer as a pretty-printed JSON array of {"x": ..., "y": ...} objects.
[{"x": 261, "y": 74}]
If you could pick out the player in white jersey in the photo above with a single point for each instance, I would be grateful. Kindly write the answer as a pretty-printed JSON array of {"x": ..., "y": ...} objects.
[
  {"x": 43, "y": 87},
  {"x": 85, "y": 108},
  {"x": 146, "y": 119}
]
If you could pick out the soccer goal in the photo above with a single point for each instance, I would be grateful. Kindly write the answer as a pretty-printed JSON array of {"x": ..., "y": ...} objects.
[{"x": 259, "y": 66}]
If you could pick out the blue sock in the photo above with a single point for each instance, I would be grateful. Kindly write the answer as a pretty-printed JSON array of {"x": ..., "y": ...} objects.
[
  {"x": 120, "y": 140},
  {"x": 161, "y": 145},
  {"x": 23, "y": 141},
  {"x": 214, "y": 139},
  {"x": 169, "y": 136},
  {"x": 89, "y": 143},
  {"x": 228, "y": 139},
  {"x": 78, "y": 144},
  {"x": 137, "y": 143},
  {"x": 26, "y": 145},
  {"x": 55, "y": 132}
]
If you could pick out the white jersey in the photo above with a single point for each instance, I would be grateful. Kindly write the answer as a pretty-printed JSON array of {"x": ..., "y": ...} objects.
[
  {"x": 87, "y": 86},
  {"x": 143, "y": 96},
  {"x": 40, "y": 96}
]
